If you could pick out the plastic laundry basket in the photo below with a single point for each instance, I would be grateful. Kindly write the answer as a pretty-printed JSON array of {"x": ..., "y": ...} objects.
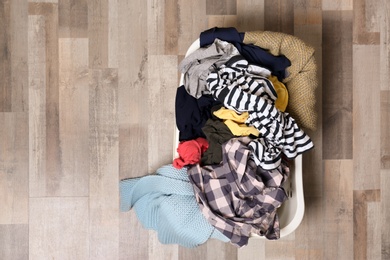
[{"x": 292, "y": 210}]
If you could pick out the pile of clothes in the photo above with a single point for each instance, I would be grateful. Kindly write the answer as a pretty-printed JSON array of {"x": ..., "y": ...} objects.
[{"x": 236, "y": 140}]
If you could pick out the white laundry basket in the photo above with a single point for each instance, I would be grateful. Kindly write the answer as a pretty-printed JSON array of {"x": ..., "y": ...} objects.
[{"x": 292, "y": 210}]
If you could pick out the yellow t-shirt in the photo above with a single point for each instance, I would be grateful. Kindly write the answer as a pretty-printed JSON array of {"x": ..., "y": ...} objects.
[
  {"x": 236, "y": 122},
  {"x": 282, "y": 100}
]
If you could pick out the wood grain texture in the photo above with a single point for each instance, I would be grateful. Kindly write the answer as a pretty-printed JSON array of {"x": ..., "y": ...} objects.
[
  {"x": 5, "y": 59},
  {"x": 86, "y": 99},
  {"x": 218, "y": 250},
  {"x": 162, "y": 72},
  {"x": 385, "y": 214},
  {"x": 361, "y": 219},
  {"x": 113, "y": 34},
  {"x": 337, "y": 84},
  {"x": 373, "y": 15},
  {"x": 133, "y": 238},
  {"x": 278, "y": 16},
  {"x": 133, "y": 137},
  {"x": 224, "y": 7},
  {"x": 254, "y": 250},
  {"x": 171, "y": 23},
  {"x": 248, "y": 15},
  {"x": 49, "y": 12},
  {"x": 53, "y": 161},
  {"x": 338, "y": 209},
  {"x": 18, "y": 53},
  {"x": 308, "y": 244},
  {"x": 281, "y": 249},
  {"x": 307, "y": 12},
  {"x": 361, "y": 34},
  {"x": 156, "y": 36},
  {"x": 374, "y": 232},
  {"x": 384, "y": 82},
  {"x": 37, "y": 106},
  {"x": 103, "y": 164},
  {"x": 132, "y": 71},
  {"x": 98, "y": 33},
  {"x": 193, "y": 21},
  {"x": 366, "y": 126},
  {"x": 385, "y": 44},
  {"x": 14, "y": 241},
  {"x": 337, "y": 5},
  {"x": 160, "y": 251},
  {"x": 308, "y": 254},
  {"x": 384, "y": 132},
  {"x": 73, "y": 177},
  {"x": 43, "y": 1},
  {"x": 222, "y": 20},
  {"x": 13, "y": 57},
  {"x": 73, "y": 18},
  {"x": 213, "y": 249},
  {"x": 14, "y": 150},
  {"x": 58, "y": 228}
]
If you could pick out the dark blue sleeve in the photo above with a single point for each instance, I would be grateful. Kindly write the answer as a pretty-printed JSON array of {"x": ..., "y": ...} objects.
[
  {"x": 229, "y": 34},
  {"x": 192, "y": 114},
  {"x": 252, "y": 53},
  {"x": 256, "y": 55}
]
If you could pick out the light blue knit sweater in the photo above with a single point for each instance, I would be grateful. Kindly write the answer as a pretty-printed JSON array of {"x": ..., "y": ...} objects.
[{"x": 165, "y": 202}]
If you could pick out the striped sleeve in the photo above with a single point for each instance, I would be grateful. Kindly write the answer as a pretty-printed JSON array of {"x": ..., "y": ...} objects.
[{"x": 242, "y": 91}]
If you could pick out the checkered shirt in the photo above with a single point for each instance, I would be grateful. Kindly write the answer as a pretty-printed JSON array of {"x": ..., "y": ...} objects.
[{"x": 237, "y": 196}]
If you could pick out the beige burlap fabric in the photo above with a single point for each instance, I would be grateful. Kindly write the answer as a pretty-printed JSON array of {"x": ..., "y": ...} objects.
[{"x": 302, "y": 80}]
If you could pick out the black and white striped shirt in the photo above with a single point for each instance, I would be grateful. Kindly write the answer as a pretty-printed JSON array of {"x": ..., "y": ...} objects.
[{"x": 235, "y": 85}]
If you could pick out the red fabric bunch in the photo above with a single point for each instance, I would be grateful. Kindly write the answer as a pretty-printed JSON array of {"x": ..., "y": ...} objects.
[{"x": 190, "y": 152}]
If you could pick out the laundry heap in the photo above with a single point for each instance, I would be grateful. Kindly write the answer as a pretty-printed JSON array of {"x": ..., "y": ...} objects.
[{"x": 235, "y": 141}]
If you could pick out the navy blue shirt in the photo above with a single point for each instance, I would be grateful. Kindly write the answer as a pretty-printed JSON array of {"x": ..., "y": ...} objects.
[
  {"x": 192, "y": 114},
  {"x": 252, "y": 53}
]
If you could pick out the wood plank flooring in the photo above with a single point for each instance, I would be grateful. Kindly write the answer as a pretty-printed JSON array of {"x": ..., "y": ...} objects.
[{"x": 87, "y": 98}]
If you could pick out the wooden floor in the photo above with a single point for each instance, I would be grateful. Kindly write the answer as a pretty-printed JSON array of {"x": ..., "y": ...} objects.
[{"x": 87, "y": 98}]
